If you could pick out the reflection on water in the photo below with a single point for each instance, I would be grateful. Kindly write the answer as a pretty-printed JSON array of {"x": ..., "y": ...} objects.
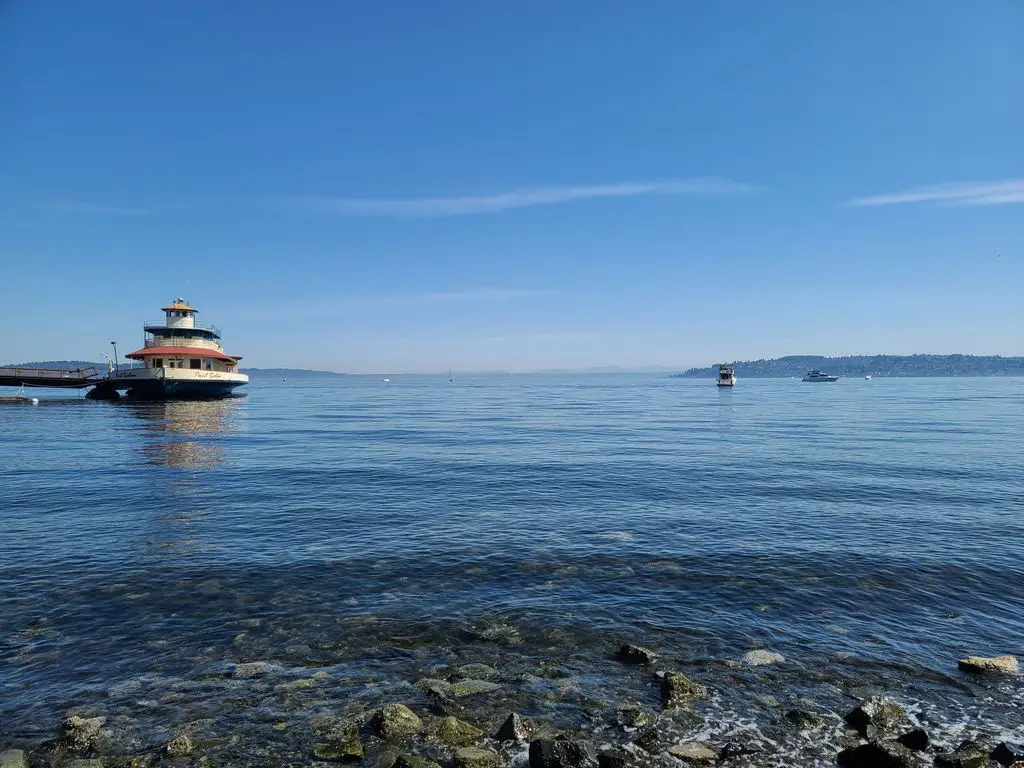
[{"x": 185, "y": 434}]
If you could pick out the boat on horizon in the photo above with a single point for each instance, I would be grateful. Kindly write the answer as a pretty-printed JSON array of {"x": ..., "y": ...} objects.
[
  {"x": 726, "y": 375},
  {"x": 180, "y": 360},
  {"x": 817, "y": 375}
]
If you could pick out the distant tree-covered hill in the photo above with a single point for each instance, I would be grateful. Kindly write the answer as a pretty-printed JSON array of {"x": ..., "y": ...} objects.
[
  {"x": 286, "y": 372},
  {"x": 875, "y": 365}
]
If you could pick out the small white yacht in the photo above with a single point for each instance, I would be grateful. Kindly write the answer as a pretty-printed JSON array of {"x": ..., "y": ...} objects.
[
  {"x": 726, "y": 375},
  {"x": 817, "y": 375},
  {"x": 868, "y": 376}
]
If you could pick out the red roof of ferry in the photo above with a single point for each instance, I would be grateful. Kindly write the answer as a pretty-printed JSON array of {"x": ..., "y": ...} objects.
[{"x": 180, "y": 352}]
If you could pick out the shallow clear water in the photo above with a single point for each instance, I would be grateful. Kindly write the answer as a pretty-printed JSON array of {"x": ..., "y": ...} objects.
[{"x": 870, "y": 531}]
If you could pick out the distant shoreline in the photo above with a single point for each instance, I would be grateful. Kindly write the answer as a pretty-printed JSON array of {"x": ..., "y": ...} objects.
[{"x": 794, "y": 366}]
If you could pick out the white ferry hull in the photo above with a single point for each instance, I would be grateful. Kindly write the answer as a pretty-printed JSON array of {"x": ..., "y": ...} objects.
[{"x": 170, "y": 384}]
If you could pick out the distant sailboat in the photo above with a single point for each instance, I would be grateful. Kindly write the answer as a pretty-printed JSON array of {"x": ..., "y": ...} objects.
[{"x": 450, "y": 375}]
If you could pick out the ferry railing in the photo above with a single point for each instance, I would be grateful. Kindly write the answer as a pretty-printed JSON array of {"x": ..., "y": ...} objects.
[{"x": 197, "y": 326}]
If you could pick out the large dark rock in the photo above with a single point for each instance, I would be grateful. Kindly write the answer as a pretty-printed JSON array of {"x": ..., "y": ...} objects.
[
  {"x": 560, "y": 753},
  {"x": 733, "y": 749},
  {"x": 678, "y": 690},
  {"x": 887, "y": 754},
  {"x": 635, "y": 654},
  {"x": 615, "y": 758},
  {"x": 415, "y": 761},
  {"x": 651, "y": 740},
  {"x": 1008, "y": 754},
  {"x": 970, "y": 754},
  {"x": 877, "y": 718},
  {"x": 916, "y": 740},
  {"x": 513, "y": 729}
]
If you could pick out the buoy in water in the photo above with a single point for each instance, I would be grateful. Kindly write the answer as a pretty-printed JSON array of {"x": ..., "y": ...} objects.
[{"x": 35, "y": 401}]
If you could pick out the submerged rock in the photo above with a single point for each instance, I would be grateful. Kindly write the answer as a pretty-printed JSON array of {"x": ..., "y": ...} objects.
[
  {"x": 79, "y": 733},
  {"x": 876, "y": 755},
  {"x": 1005, "y": 754},
  {"x": 876, "y": 717},
  {"x": 179, "y": 746},
  {"x": 253, "y": 669},
  {"x": 631, "y": 717},
  {"x": 471, "y": 687},
  {"x": 473, "y": 757},
  {"x": 635, "y": 654},
  {"x": 513, "y": 729},
  {"x": 386, "y": 760},
  {"x": 477, "y": 671},
  {"x": 762, "y": 657},
  {"x": 1002, "y": 665},
  {"x": 457, "y": 733},
  {"x": 916, "y": 740},
  {"x": 13, "y": 758},
  {"x": 694, "y": 752},
  {"x": 344, "y": 745},
  {"x": 396, "y": 721},
  {"x": 802, "y": 719},
  {"x": 970, "y": 754},
  {"x": 678, "y": 690}
]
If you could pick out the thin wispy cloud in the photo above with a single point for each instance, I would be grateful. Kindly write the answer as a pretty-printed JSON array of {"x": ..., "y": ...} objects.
[
  {"x": 461, "y": 206},
  {"x": 85, "y": 207},
  {"x": 331, "y": 306},
  {"x": 1005, "y": 192}
]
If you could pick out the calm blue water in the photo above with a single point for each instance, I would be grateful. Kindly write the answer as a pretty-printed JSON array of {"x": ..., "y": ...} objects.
[{"x": 870, "y": 531}]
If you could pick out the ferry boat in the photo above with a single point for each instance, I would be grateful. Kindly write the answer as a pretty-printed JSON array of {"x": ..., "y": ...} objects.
[
  {"x": 817, "y": 375},
  {"x": 181, "y": 360},
  {"x": 726, "y": 376}
]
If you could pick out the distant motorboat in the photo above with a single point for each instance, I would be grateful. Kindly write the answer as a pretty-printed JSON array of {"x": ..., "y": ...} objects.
[
  {"x": 817, "y": 375},
  {"x": 386, "y": 380},
  {"x": 868, "y": 376},
  {"x": 726, "y": 376}
]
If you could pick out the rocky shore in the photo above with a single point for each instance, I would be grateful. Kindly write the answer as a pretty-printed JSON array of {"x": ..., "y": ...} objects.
[{"x": 490, "y": 714}]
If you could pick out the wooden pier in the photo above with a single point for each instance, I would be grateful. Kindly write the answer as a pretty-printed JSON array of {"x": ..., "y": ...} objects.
[{"x": 80, "y": 378}]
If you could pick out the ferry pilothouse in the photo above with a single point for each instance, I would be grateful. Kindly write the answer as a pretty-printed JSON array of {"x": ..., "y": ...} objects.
[{"x": 181, "y": 360}]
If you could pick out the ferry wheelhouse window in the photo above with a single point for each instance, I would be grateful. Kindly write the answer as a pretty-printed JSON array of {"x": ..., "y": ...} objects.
[
  {"x": 158, "y": 362},
  {"x": 195, "y": 363}
]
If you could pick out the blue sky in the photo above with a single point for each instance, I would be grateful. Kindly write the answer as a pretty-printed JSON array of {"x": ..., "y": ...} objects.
[{"x": 412, "y": 186}]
